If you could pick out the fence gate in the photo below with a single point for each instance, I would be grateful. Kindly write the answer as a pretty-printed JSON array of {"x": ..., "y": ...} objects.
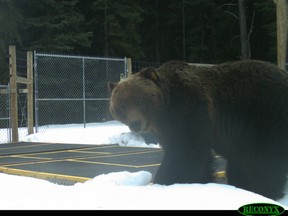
[
  {"x": 73, "y": 89},
  {"x": 5, "y": 128}
]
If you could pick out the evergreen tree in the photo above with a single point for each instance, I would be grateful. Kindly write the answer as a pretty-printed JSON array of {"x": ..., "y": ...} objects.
[
  {"x": 115, "y": 27},
  {"x": 10, "y": 20},
  {"x": 204, "y": 31},
  {"x": 263, "y": 36},
  {"x": 55, "y": 25}
]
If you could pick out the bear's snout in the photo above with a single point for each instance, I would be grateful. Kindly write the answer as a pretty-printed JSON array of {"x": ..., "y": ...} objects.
[{"x": 135, "y": 126}]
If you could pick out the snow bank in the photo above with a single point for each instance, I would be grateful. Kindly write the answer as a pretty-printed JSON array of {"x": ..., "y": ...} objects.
[{"x": 121, "y": 191}]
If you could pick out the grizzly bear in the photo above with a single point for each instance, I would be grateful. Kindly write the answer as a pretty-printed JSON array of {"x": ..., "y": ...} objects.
[{"x": 237, "y": 109}]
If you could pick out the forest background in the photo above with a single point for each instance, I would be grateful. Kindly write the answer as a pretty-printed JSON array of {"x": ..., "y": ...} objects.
[{"x": 199, "y": 31}]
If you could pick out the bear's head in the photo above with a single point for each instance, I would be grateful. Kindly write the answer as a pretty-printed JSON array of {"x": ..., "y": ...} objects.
[{"x": 137, "y": 101}]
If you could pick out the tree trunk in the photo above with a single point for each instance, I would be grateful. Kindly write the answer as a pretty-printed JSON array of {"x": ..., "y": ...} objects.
[
  {"x": 245, "y": 51},
  {"x": 281, "y": 12}
]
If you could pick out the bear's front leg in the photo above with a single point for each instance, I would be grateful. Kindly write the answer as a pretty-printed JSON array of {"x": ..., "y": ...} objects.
[
  {"x": 181, "y": 166},
  {"x": 186, "y": 140}
]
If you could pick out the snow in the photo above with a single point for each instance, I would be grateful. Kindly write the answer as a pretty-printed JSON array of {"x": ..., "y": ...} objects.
[
  {"x": 118, "y": 190},
  {"x": 110, "y": 132}
]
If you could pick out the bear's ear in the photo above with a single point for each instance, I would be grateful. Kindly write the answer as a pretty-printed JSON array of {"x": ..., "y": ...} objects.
[
  {"x": 111, "y": 86},
  {"x": 150, "y": 73}
]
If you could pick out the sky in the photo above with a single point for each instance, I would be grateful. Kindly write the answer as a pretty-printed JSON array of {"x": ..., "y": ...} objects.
[{"x": 116, "y": 190}]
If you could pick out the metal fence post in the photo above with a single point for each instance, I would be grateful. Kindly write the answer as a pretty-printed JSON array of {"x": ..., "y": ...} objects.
[{"x": 84, "y": 92}]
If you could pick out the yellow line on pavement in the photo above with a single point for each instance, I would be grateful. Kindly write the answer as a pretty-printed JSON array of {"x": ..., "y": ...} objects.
[
  {"x": 114, "y": 164},
  {"x": 42, "y": 175}
]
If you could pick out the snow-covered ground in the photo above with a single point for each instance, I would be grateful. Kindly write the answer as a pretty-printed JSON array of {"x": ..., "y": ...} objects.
[{"x": 120, "y": 190}]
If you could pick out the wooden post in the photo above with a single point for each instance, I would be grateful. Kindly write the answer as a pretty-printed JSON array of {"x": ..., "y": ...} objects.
[
  {"x": 30, "y": 113},
  {"x": 129, "y": 67},
  {"x": 14, "y": 79},
  {"x": 13, "y": 93},
  {"x": 281, "y": 13}
]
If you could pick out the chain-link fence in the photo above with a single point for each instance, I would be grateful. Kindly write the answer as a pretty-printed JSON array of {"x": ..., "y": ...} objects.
[
  {"x": 20, "y": 61},
  {"x": 5, "y": 129},
  {"x": 73, "y": 89}
]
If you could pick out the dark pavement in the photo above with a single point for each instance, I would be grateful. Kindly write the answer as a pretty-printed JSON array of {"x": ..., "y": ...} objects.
[{"x": 67, "y": 164}]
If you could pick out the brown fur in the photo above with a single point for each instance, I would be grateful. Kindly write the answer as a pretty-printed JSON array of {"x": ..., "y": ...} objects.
[{"x": 239, "y": 109}]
